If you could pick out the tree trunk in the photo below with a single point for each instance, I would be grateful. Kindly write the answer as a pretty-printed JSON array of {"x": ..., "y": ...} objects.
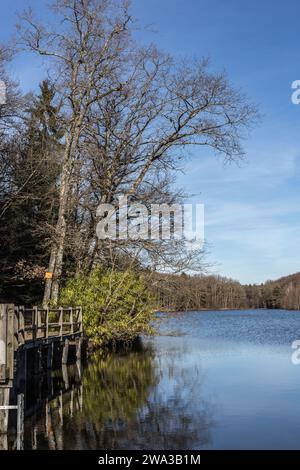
[
  {"x": 57, "y": 252},
  {"x": 59, "y": 262},
  {"x": 48, "y": 282}
]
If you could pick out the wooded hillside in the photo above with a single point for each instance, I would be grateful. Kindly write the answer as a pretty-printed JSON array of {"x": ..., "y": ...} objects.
[{"x": 183, "y": 292}]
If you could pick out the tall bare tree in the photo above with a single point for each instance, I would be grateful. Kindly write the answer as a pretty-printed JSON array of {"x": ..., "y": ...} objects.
[
  {"x": 86, "y": 49},
  {"x": 135, "y": 138},
  {"x": 129, "y": 113}
]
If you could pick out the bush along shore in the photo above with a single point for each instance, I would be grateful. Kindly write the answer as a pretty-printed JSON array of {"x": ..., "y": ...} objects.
[{"x": 117, "y": 306}]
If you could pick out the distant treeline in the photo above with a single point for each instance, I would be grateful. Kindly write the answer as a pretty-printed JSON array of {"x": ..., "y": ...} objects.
[{"x": 183, "y": 292}]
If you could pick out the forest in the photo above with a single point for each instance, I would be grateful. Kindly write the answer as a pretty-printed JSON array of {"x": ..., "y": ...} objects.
[{"x": 180, "y": 293}]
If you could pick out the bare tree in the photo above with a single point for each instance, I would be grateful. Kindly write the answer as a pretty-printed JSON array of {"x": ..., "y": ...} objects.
[
  {"x": 129, "y": 114},
  {"x": 86, "y": 49},
  {"x": 135, "y": 138}
]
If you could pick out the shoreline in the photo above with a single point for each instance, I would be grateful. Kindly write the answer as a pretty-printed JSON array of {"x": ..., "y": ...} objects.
[{"x": 224, "y": 310}]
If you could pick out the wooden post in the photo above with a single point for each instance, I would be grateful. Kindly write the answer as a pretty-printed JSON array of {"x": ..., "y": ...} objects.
[
  {"x": 65, "y": 353},
  {"x": 38, "y": 322},
  {"x": 34, "y": 323},
  {"x": 21, "y": 325},
  {"x": 4, "y": 401},
  {"x": 61, "y": 321},
  {"x": 7, "y": 313},
  {"x": 20, "y": 423},
  {"x": 80, "y": 320},
  {"x": 3, "y": 342},
  {"x": 50, "y": 354},
  {"x": 16, "y": 328},
  {"x": 47, "y": 323},
  {"x": 21, "y": 375},
  {"x": 71, "y": 320},
  {"x": 10, "y": 341}
]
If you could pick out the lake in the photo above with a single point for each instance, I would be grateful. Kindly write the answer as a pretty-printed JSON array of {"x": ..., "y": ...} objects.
[{"x": 209, "y": 380}]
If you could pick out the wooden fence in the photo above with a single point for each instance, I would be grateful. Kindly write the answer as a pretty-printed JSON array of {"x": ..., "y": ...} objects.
[
  {"x": 21, "y": 327},
  {"x": 38, "y": 324}
]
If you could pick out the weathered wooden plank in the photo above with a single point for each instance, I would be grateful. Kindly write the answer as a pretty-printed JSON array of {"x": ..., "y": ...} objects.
[
  {"x": 21, "y": 325},
  {"x": 61, "y": 321},
  {"x": 10, "y": 340},
  {"x": 34, "y": 323},
  {"x": 4, "y": 401},
  {"x": 71, "y": 320},
  {"x": 3, "y": 342},
  {"x": 47, "y": 323},
  {"x": 80, "y": 319},
  {"x": 20, "y": 423},
  {"x": 7, "y": 330}
]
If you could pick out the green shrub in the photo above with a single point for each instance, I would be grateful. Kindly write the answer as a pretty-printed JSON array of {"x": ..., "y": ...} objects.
[{"x": 116, "y": 305}]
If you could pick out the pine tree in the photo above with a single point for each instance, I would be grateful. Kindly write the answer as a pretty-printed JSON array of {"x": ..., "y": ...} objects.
[{"x": 30, "y": 206}]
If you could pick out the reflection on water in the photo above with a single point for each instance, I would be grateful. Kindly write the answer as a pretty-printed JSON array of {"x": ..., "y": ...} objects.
[
  {"x": 119, "y": 404},
  {"x": 51, "y": 402},
  {"x": 217, "y": 380}
]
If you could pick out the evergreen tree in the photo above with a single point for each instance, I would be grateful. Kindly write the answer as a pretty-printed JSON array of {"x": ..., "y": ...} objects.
[{"x": 29, "y": 205}]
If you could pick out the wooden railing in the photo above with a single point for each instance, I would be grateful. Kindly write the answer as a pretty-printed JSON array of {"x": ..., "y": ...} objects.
[
  {"x": 25, "y": 328},
  {"x": 36, "y": 324},
  {"x": 41, "y": 331}
]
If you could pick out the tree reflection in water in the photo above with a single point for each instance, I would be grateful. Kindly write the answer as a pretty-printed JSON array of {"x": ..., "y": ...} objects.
[{"x": 129, "y": 400}]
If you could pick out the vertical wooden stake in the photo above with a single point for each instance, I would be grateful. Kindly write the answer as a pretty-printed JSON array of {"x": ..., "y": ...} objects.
[
  {"x": 80, "y": 319},
  {"x": 21, "y": 326},
  {"x": 71, "y": 320},
  {"x": 4, "y": 401},
  {"x": 47, "y": 324},
  {"x": 38, "y": 322},
  {"x": 61, "y": 321},
  {"x": 20, "y": 423},
  {"x": 3, "y": 342},
  {"x": 34, "y": 323}
]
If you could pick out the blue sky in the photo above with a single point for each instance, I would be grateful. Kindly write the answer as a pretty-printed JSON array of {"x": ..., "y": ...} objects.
[{"x": 252, "y": 209}]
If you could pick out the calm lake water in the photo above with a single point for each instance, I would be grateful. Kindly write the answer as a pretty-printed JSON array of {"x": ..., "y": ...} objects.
[{"x": 210, "y": 380}]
